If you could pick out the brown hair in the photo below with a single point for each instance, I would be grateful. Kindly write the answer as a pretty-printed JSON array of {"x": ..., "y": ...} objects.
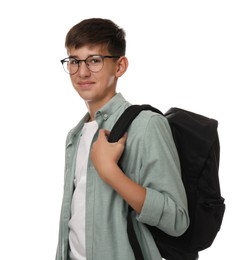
[{"x": 97, "y": 31}]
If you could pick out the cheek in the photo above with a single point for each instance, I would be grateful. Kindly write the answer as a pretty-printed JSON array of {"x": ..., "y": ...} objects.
[
  {"x": 110, "y": 81},
  {"x": 107, "y": 80},
  {"x": 73, "y": 79}
]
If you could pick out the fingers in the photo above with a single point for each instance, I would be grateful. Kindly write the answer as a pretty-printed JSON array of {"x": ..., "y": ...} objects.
[{"x": 104, "y": 134}]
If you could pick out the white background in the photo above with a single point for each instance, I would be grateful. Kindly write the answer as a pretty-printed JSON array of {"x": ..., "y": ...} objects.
[{"x": 182, "y": 53}]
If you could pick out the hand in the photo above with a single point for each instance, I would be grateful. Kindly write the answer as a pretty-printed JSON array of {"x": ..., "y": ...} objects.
[{"x": 105, "y": 155}]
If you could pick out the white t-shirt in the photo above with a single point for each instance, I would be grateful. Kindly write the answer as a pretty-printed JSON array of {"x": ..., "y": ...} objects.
[{"x": 77, "y": 221}]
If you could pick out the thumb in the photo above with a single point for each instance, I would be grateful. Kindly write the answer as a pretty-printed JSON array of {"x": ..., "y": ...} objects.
[{"x": 103, "y": 133}]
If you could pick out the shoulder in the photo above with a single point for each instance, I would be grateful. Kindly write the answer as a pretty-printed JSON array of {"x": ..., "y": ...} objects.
[
  {"x": 152, "y": 130},
  {"x": 148, "y": 120}
]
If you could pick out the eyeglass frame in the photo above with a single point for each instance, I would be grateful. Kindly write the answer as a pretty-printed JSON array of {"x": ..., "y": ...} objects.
[{"x": 85, "y": 61}]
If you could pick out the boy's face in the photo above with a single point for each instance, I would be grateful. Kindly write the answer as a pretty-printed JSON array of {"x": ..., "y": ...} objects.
[{"x": 95, "y": 87}]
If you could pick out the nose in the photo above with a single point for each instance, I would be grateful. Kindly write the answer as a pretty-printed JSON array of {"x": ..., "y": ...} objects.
[{"x": 83, "y": 70}]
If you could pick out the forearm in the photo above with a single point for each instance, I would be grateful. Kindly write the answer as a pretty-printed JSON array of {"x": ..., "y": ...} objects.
[{"x": 133, "y": 193}]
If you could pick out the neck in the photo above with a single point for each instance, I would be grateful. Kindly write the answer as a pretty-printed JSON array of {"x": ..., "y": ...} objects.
[{"x": 93, "y": 107}]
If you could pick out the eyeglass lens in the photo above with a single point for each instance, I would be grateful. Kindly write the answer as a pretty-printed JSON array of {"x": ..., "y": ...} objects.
[{"x": 93, "y": 63}]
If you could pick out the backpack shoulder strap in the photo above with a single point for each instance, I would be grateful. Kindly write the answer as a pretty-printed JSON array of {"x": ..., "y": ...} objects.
[
  {"x": 116, "y": 133},
  {"x": 126, "y": 119}
]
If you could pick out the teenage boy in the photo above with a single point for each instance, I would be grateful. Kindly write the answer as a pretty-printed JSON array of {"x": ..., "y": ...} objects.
[{"x": 97, "y": 192}]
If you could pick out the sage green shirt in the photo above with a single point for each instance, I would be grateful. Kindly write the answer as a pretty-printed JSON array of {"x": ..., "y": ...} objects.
[{"x": 150, "y": 158}]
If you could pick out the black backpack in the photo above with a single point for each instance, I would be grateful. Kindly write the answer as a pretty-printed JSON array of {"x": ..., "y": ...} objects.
[{"x": 197, "y": 143}]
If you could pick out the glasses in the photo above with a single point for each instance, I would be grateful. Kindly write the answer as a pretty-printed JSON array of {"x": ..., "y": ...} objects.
[{"x": 93, "y": 62}]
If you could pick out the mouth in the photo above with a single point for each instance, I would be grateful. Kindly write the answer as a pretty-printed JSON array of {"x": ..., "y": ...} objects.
[{"x": 85, "y": 84}]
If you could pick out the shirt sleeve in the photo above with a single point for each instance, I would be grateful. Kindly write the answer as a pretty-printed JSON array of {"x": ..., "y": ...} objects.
[{"x": 165, "y": 204}]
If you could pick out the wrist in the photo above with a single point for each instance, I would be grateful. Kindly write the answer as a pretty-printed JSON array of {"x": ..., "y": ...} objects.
[{"x": 108, "y": 172}]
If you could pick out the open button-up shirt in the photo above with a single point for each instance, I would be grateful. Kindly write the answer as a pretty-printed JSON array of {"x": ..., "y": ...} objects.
[{"x": 150, "y": 158}]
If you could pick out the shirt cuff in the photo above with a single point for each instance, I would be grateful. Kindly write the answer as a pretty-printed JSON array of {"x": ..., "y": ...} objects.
[{"x": 154, "y": 202}]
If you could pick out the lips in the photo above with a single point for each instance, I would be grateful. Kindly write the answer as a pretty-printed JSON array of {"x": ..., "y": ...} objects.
[{"x": 85, "y": 84}]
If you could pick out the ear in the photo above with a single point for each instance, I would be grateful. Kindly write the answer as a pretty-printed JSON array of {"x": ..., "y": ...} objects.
[{"x": 122, "y": 65}]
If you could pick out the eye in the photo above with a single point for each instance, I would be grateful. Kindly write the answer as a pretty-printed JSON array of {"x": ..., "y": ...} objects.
[
  {"x": 73, "y": 61},
  {"x": 94, "y": 60}
]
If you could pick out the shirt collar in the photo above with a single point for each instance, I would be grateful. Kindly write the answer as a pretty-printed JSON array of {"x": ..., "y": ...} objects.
[
  {"x": 108, "y": 109},
  {"x": 111, "y": 106}
]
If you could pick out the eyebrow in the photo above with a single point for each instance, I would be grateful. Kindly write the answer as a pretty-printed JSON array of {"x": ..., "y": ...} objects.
[
  {"x": 77, "y": 58},
  {"x": 71, "y": 56}
]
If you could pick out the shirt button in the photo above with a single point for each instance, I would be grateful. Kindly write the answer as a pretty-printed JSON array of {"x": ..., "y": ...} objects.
[{"x": 105, "y": 117}]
